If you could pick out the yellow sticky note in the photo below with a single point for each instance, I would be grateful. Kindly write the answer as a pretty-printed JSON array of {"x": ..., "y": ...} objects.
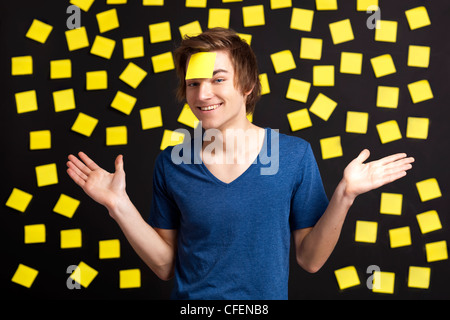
[
  {"x": 387, "y": 97},
  {"x": 351, "y": 62},
  {"x": 84, "y": 5},
  {"x": 64, "y": 100},
  {"x": 383, "y": 282},
  {"x": 363, "y": 5},
  {"x": 366, "y": 231},
  {"x": 323, "y": 76},
  {"x": 264, "y": 80},
  {"x": 341, "y": 31},
  {"x": 253, "y": 15},
  {"x": 70, "y": 238},
  {"x": 187, "y": 117},
  {"x": 116, "y": 136},
  {"x": 123, "y": 102},
  {"x": 84, "y": 274},
  {"x": 357, "y": 122},
  {"x": 302, "y": 19},
  {"x": 323, "y": 106},
  {"x": 400, "y": 237},
  {"x": 429, "y": 221},
  {"x": 419, "y": 277},
  {"x": 386, "y": 31},
  {"x": 279, "y": 4},
  {"x": 130, "y": 278},
  {"x": 40, "y": 139},
  {"x": 283, "y": 61},
  {"x": 109, "y": 249},
  {"x": 326, "y": 5},
  {"x": 152, "y": 2},
  {"x": 417, "y": 128},
  {"x": 331, "y": 147},
  {"x": 201, "y": 65},
  {"x": 19, "y": 200},
  {"x": 151, "y": 118},
  {"x": 160, "y": 32},
  {"x": 34, "y": 233},
  {"x": 39, "y": 31},
  {"x": 84, "y": 124},
  {"x": 107, "y": 20},
  {"x": 219, "y": 18},
  {"x": 428, "y": 189},
  {"x": 389, "y": 131},
  {"x": 21, "y": 65},
  {"x": 133, "y": 75},
  {"x": 103, "y": 47},
  {"x": 66, "y": 205},
  {"x": 24, "y": 275},
  {"x": 97, "y": 80},
  {"x": 77, "y": 39},
  {"x": 133, "y": 47},
  {"x": 420, "y": 91},
  {"x": 383, "y": 65},
  {"x": 26, "y": 101},
  {"x": 418, "y": 56},
  {"x": 347, "y": 277},
  {"x": 61, "y": 69},
  {"x": 46, "y": 174},
  {"x": 196, "y": 3},
  {"x": 436, "y": 251},
  {"x": 191, "y": 29},
  {"x": 116, "y": 1},
  {"x": 298, "y": 90},
  {"x": 391, "y": 203},
  {"x": 417, "y": 17},
  {"x": 171, "y": 138},
  {"x": 163, "y": 62},
  {"x": 299, "y": 119},
  {"x": 311, "y": 48}
]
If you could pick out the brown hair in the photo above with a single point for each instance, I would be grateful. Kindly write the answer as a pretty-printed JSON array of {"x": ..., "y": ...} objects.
[{"x": 246, "y": 75}]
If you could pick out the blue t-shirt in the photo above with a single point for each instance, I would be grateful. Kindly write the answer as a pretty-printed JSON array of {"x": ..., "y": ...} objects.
[{"x": 234, "y": 238}]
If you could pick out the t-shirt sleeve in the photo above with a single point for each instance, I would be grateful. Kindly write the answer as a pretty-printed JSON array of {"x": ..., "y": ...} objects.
[
  {"x": 309, "y": 200},
  {"x": 164, "y": 212}
]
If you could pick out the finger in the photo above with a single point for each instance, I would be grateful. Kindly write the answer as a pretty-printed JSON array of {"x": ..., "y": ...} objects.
[
  {"x": 395, "y": 176},
  {"x": 77, "y": 171},
  {"x": 363, "y": 156},
  {"x": 80, "y": 165},
  {"x": 119, "y": 163},
  {"x": 402, "y": 164},
  {"x": 75, "y": 177},
  {"x": 391, "y": 158},
  {"x": 91, "y": 164}
]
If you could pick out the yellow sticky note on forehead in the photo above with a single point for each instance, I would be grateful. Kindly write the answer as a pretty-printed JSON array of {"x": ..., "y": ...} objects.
[{"x": 201, "y": 65}]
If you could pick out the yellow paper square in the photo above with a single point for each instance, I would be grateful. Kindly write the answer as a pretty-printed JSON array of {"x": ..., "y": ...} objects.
[
  {"x": 116, "y": 136},
  {"x": 298, "y": 90},
  {"x": 436, "y": 251},
  {"x": 264, "y": 80},
  {"x": 283, "y": 61},
  {"x": 420, "y": 91},
  {"x": 107, "y": 20},
  {"x": 187, "y": 117},
  {"x": 97, "y": 80},
  {"x": 151, "y": 118},
  {"x": 123, "y": 102},
  {"x": 389, "y": 131},
  {"x": 279, "y": 4},
  {"x": 219, "y": 18},
  {"x": 419, "y": 277},
  {"x": 245, "y": 37},
  {"x": 19, "y": 200},
  {"x": 130, "y": 278},
  {"x": 391, "y": 203},
  {"x": 351, "y": 62},
  {"x": 24, "y": 275},
  {"x": 311, "y": 48},
  {"x": 84, "y": 124},
  {"x": 40, "y": 139},
  {"x": 39, "y": 31},
  {"x": 341, "y": 31},
  {"x": 84, "y": 274},
  {"x": 64, "y": 100},
  {"x": 347, "y": 277},
  {"x": 152, "y": 2},
  {"x": 366, "y": 231},
  {"x": 103, "y": 47},
  {"x": 299, "y": 119},
  {"x": 190, "y": 29},
  {"x": 34, "y": 233},
  {"x": 116, "y": 1},
  {"x": 253, "y": 15},
  {"x": 417, "y": 128},
  {"x": 160, "y": 32},
  {"x": 84, "y": 5},
  {"x": 171, "y": 138},
  {"x": 417, "y": 18},
  {"x": 66, "y": 206},
  {"x": 323, "y": 106},
  {"x": 387, "y": 97},
  {"x": 302, "y": 19},
  {"x": 133, "y": 47},
  {"x": 163, "y": 62},
  {"x": 326, "y": 5},
  {"x": 61, "y": 69},
  {"x": 419, "y": 56},
  {"x": 46, "y": 175},
  {"x": 196, "y": 3},
  {"x": 331, "y": 147},
  {"x": 428, "y": 189},
  {"x": 70, "y": 238},
  {"x": 109, "y": 249},
  {"x": 133, "y": 75},
  {"x": 400, "y": 237},
  {"x": 201, "y": 65},
  {"x": 429, "y": 221},
  {"x": 323, "y": 76},
  {"x": 363, "y": 5},
  {"x": 77, "y": 39},
  {"x": 26, "y": 101},
  {"x": 357, "y": 122},
  {"x": 383, "y": 282},
  {"x": 383, "y": 65},
  {"x": 386, "y": 31},
  {"x": 21, "y": 65}
]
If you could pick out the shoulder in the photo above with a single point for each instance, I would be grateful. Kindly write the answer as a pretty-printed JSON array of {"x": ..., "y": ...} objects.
[{"x": 290, "y": 145}]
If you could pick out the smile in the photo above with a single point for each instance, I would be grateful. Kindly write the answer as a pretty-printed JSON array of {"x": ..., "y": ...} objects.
[{"x": 211, "y": 107}]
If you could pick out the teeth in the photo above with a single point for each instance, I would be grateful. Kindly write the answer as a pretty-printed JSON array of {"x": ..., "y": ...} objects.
[{"x": 215, "y": 106}]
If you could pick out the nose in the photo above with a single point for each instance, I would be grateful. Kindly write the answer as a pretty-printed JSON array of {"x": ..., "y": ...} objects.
[{"x": 205, "y": 91}]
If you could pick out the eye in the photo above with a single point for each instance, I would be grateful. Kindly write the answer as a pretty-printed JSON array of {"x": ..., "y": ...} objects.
[
  {"x": 192, "y": 84},
  {"x": 219, "y": 80}
]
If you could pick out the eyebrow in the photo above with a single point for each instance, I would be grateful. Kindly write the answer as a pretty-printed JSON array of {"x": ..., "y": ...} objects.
[{"x": 219, "y": 71}]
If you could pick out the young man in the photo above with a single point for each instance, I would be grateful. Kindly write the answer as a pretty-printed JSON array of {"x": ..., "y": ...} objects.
[{"x": 220, "y": 226}]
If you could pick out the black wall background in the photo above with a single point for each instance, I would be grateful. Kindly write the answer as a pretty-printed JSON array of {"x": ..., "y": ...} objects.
[{"x": 352, "y": 92}]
